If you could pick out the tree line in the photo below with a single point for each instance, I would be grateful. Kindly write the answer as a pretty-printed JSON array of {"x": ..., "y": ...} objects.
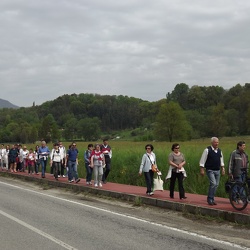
[{"x": 186, "y": 113}]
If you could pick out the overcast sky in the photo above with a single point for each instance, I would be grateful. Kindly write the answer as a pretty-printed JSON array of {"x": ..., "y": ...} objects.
[{"x": 138, "y": 48}]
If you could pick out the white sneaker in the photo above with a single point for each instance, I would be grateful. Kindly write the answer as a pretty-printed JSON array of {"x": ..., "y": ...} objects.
[
  {"x": 87, "y": 183},
  {"x": 59, "y": 176},
  {"x": 100, "y": 184},
  {"x": 96, "y": 185},
  {"x": 63, "y": 176}
]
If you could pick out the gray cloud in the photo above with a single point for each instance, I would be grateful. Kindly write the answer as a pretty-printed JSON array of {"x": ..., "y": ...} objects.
[{"x": 137, "y": 48}]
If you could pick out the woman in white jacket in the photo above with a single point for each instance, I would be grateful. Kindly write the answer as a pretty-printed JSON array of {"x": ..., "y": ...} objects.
[{"x": 148, "y": 159}]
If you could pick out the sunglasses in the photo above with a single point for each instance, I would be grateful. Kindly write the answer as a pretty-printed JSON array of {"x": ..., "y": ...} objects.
[
  {"x": 148, "y": 148},
  {"x": 177, "y": 148}
]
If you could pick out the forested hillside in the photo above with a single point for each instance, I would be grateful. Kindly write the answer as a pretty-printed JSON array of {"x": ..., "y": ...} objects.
[{"x": 186, "y": 113}]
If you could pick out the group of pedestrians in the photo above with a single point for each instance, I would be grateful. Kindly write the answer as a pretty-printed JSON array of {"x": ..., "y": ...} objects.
[
  {"x": 211, "y": 163},
  {"x": 97, "y": 160}
]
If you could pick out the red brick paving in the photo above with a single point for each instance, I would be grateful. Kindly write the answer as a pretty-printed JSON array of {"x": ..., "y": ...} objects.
[{"x": 223, "y": 204}]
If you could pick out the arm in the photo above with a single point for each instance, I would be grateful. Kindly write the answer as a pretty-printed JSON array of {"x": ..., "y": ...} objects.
[
  {"x": 203, "y": 161},
  {"x": 142, "y": 163}
]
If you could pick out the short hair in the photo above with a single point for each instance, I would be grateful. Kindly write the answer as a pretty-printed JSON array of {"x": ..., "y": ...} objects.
[
  {"x": 214, "y": 138},
  {"x": 150, "y": 145},
  {"x": 90, "y": 145},
  {"x": 240, "y": 143},
  {"x": 174, "y": 146}
]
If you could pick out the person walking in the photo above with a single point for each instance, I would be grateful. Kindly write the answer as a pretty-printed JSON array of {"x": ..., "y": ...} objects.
[
  {"x": 176, "y": 170},
  {"x": 63, "y": 156},
  {"x": 43, "y": 153},
  {"x": 148, "y": 159},
  {"x": 72, "y": 161},
  {"x": 107, "y": 151},
  {"x": 89, "y": 169},
  {"x": 212, "y": 160},
  {"x": 55, "y": 160},
  {"x": 97, "y": 161}
]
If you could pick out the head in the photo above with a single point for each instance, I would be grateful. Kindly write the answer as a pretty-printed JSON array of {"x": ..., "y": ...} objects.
[
  {"x": 56, "y": 145},
  {"x": 73, "y": 145},
  {"x": 105, "y": 141},
  {"x": 24, "y": 148},
  {"x": 90, "y": 146},
  {"x": 2, "y": 145},
  {"x": 43, "y": 144},
  {"x": 97, "y": 147},
  {"x": 60, "y": 144},
  {"x": 175, "y": 147},
  {"x": 215, "y": 142},
  {"x": 149, "y": 148},
  {"x": 241, "y": 145},
  {"x": 31, "y": 150}
]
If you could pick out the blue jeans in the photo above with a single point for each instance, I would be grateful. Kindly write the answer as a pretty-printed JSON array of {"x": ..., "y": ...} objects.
[
  {"x": 106, "y": 171},
  {"x": 241, "y": 178},
  {"x": 72, "y": 173},
  {"x": 43, "y": 164},
  {"x": 214, "y": 179},
  {"x": 89, "y": 171},
  {"x": 149, "y": 180}
]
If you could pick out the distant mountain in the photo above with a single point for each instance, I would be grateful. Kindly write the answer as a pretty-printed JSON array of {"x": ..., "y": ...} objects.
[{"x": 7, "y": 104}]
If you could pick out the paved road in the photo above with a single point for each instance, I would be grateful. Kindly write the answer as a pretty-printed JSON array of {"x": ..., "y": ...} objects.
[{"x": 33, "y": 218}]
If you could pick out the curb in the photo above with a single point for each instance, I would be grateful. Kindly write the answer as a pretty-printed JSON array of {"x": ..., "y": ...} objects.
[{"x": 229, "y": 216}]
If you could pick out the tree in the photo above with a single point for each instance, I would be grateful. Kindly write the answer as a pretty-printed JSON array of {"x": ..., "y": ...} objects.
[
  {"x": 89, "y": 129},
  {"x": 171, "y": 123}
]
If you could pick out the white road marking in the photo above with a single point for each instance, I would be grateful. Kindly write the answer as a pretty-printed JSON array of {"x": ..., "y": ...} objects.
[
  {"x": 130, "y": 217},
  {"x": 59, "y": 242}
]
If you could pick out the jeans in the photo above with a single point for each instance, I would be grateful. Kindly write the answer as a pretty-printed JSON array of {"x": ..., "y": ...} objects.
[
  {"x": 241, "y": 178},
  {"x": 107, "y": 170},
  {"x": 98, "y": 173},
  {"x": 43, "y": 164},
  {"x": 149, "y": 180},
  {"x": 214, "y": 179},
  {"x": 72, "y": 173},
  {"x": 180, "y": 178},
  {"x": 37, "y": 164},
  {"x": 89, "y": 171},
  {"x": 56, "y": 166}
]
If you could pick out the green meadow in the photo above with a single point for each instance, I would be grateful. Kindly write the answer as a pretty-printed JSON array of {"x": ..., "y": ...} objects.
[{"x": 127, "y": 156}]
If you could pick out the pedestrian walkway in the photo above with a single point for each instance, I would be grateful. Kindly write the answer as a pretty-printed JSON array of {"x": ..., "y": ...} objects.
[{"x": 195, "y": 203}]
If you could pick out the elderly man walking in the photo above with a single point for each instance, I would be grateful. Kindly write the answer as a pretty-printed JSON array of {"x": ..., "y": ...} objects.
[{"x": 212, "y": 160}]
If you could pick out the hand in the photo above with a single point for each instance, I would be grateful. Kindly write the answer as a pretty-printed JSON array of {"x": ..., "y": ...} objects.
[
  {"x": 202, "y": 171},
  {"x": 140, "y": 173},
  {"x": 223, "y": 171}
]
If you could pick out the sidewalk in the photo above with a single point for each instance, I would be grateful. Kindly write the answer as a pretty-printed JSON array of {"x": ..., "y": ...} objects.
[{"x": 194, "y": 204}]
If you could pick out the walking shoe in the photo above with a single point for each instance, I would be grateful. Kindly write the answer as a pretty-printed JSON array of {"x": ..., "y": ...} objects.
[
  {"x": 100, "y": 184},
  {"x": 96, "y": 185},
  {"x": 59, "y": 176},
  {"x": 78, "y": 180},
  {"x": 63, "y": 176},
  {"x": 87, "y": 183},
  {"x": 214, "y": 203},
  {"x": 151, "y": 193},
  {"x": 70, "y": 181}
]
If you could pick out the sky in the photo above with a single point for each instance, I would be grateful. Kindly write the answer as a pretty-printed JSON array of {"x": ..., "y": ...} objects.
[{"x": 137, "y": 48}]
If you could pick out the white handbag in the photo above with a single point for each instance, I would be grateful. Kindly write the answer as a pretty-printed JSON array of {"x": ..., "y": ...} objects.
[{"x": 158, "y": 184}]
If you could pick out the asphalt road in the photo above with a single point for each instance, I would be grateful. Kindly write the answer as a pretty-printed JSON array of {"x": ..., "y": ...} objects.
[{"x": 34, "y": 217}]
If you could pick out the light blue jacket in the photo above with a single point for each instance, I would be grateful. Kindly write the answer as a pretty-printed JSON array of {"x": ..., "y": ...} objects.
[{"x": 146, "y": 163}]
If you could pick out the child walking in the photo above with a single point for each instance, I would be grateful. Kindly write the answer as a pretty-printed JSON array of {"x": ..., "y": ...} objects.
[{"x": 31, "y": 161}]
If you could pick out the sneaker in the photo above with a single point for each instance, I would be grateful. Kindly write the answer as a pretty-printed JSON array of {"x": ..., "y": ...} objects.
[
  {"x": 87, "y": 183},
  {"x": 59, "y": 176},
  {"x": 96, "y": 185},
  {"x": 78, "y": 180},
  {"x": 90, "y": 183},
  {"x": 100, "y": 184},
  {"x": 70, "y": 181},
  {"x": 64, "y": 176},
  {"x": 151, "y": 193}
]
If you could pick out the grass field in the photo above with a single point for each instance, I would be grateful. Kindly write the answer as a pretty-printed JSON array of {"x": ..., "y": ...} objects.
[{"x": 127, "y": 156}]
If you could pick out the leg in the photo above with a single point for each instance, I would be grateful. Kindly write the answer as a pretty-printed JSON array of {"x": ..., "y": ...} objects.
[
  {"x": 148, "y": 182},
  {"x": 100, "y": 175},
  {"x": 95, "y": 175},
  {"x": 172, "y": 184},
  {"x": 214, "y": 178},
  {"x": 106, "y": 173},
  {"x": 180, "y": 185}
]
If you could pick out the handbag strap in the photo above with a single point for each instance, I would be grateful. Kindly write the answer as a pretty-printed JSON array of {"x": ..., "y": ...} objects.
[{"x": 149, "y": 159}]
